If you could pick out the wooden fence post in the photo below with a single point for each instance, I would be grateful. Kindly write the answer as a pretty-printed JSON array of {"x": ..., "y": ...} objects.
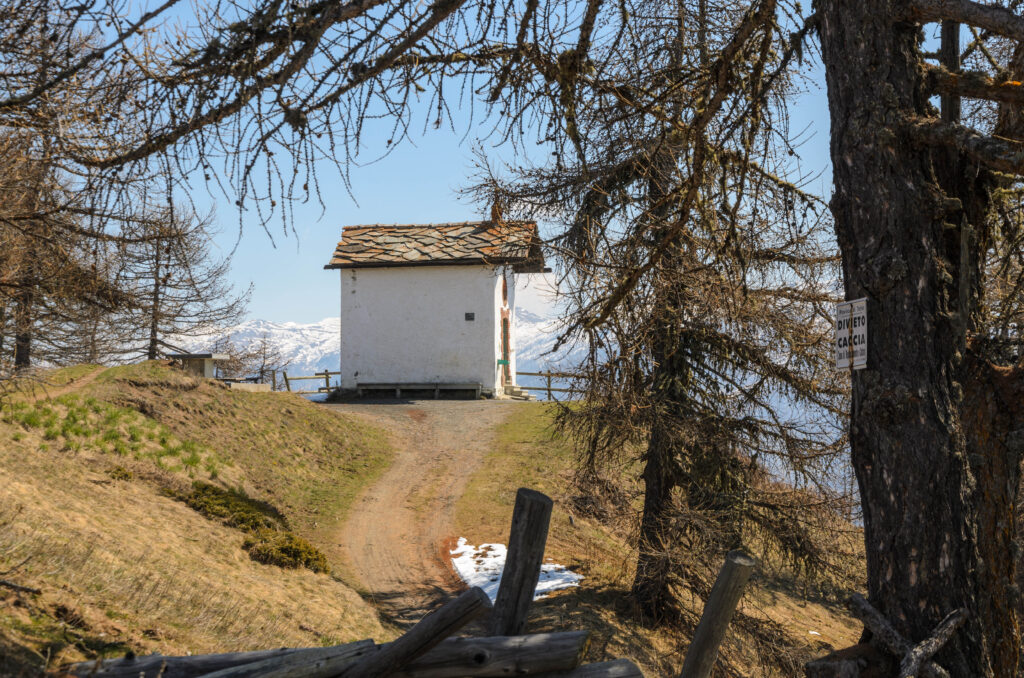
[
  {"x": 526, "y": 540},
  {"x": 718, "y": 611},
  {"x": 286, "y": 384},
  {"x": 327, "y": 381},
  {"x": 549, "y": 384}
]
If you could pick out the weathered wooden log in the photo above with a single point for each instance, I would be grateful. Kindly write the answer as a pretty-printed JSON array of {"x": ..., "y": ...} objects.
[
  {"x": 285, "y": 665},
  {"x": 619, "y": 668},
  {"x": 863, "y": 660},
  {"x": 885, "y": 634},
  {"x": 718, "y": 611},
  {"x": 151, "y": 666},
  {"x": 871, "y": 660},
  {"x": 469, "y": 657},
  {"x": 922, "y": 653},
  {"x": 526, "y": 540},
  {"x": 425, "y": 635},
  {"x": 501, "y": 656}
]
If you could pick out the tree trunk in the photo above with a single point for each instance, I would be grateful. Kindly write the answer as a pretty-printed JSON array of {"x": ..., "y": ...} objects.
[
  {"x": 23, "y": 329},
  {"x": 669, "y": 383},
  {"x": 154, "y": 311},
  {"x": 3, "y": 332},
  {"x": 650, "y": 583},
  {"x": 928, "y": 509}
]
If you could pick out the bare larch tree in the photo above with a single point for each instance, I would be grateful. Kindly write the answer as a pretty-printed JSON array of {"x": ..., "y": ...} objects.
[{"x": 181, "y": 290}]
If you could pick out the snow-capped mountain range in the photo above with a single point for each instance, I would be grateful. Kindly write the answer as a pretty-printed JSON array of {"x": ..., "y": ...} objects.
[{"x": 313, "y": 347}]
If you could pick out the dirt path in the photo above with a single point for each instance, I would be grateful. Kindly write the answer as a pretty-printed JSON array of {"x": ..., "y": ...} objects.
[
  {"x": 42, "y": 392},
  {"x": 394, "y": 536}
]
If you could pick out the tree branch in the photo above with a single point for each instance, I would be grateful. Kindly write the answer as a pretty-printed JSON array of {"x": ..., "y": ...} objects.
[
  {"x": 992, "y": 18},
  {"x": 974, "y": 85},
  {"x": 18, "y": 587},
  {"x": 92, "y": 55},
  {"x": 314, "y": 32},
  {"x": 708, "y": 104},
  {"x": 996, "y": 153}
]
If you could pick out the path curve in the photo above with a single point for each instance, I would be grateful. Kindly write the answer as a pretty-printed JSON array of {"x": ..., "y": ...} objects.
[
  {"x": 396, "y": 531},
  {"x": 41, "y": 392}
]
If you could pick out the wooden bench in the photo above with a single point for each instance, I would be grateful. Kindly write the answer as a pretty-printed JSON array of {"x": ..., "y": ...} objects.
[{"x": 363, "y": 387}]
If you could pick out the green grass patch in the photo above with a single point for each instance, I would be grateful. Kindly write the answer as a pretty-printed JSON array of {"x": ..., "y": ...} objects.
[
  {"x": 307, "y": 461},
  {"x": 269, "y": 541},
  {"x": 31, "y": 419},
  {"x": 526, "y": 453},
  {"x": 233, "y": 507},
  {"x": 284, "y": 549},
  {"x": 120, "y": 473},
  {"x": 73, "y": 421}
]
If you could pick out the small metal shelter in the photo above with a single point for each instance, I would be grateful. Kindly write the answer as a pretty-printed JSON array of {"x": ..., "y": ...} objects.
[{"x": 199, "y": 363}]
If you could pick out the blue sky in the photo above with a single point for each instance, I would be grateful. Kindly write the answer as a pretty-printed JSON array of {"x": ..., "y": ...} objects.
[{"x": 417, "y": 183}]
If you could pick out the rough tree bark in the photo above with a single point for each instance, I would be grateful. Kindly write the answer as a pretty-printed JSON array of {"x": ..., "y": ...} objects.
[
  {"x": 23, "y": 321},
  {"x": 909, "y": 221},
  {"x": 650, "y": 588}
]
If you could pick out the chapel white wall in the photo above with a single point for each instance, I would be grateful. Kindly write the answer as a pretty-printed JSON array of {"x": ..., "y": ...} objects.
[{"x": 407, "y": 325}]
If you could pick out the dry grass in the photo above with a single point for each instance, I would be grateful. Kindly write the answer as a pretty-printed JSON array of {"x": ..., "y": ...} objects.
[
  {"x": 307, "y": 462},
  {"x": 527, "y": 453},
  {"x": 122, "y": 566}
]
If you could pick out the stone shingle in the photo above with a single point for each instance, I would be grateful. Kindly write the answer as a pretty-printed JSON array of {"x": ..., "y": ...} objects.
[{"x": 459, "y": 243}]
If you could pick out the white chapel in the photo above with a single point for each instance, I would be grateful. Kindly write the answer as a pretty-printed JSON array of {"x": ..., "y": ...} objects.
[{"x": 430, "y": 308}]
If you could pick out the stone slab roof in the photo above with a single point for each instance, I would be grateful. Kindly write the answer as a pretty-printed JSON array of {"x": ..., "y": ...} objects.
[{"x": 470, "y": 242}]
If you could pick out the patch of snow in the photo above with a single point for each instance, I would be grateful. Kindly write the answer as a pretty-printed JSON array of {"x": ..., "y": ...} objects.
[{"x": 482, "y": 566}]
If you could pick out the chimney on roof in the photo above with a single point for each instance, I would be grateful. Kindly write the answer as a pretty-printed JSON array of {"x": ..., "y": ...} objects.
[{"x": 497, "y": 216}]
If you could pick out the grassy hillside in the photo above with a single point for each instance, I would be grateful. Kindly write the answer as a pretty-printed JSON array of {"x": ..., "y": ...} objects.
[
  {"x": 528, "y": 454},
  {"x": 100, "y": 510}
]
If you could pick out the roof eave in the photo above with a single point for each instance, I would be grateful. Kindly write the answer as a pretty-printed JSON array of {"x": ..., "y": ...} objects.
[{"x": 504, "y": 261}]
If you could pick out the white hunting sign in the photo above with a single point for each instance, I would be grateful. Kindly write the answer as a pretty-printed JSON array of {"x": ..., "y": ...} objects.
[{"x": 852, "y": 334}]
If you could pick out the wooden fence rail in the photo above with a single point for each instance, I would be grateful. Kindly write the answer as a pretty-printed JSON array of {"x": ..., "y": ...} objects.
[
  {"x": 548, "y": 388},
  {"x": 325, "y": 375}
]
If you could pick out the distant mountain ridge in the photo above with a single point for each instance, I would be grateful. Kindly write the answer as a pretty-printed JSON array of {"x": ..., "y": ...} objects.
[{"x": 313, "y": 347}]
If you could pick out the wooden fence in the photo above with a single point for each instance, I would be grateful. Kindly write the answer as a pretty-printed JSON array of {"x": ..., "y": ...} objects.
[
  {"x": 549, "y": 377},
  {"x": 325, "y": 375},
  {"x": 428, "y": 650}
]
